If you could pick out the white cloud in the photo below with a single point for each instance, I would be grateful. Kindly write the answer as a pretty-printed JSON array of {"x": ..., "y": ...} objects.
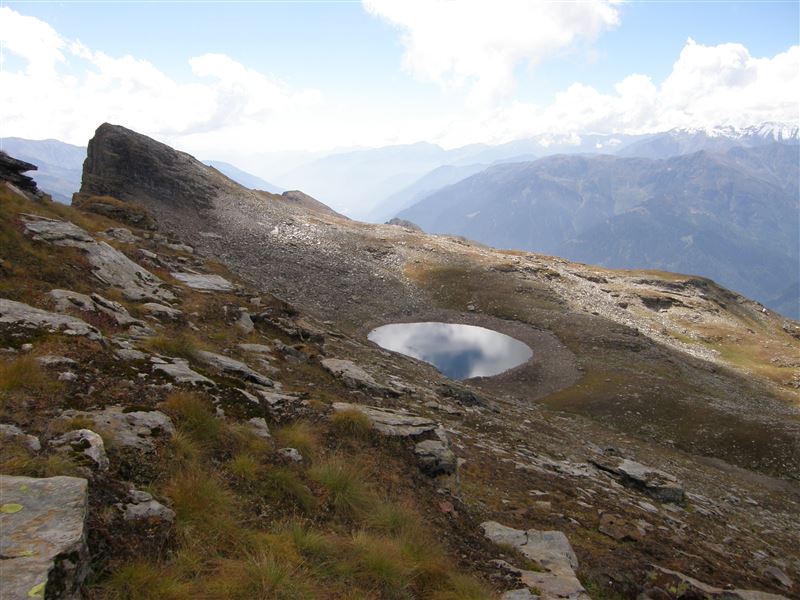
[
  {"x": 64, "y": 89},
  {"x": 479, "y": 43},
  {"x": 45, "y": 99},
  {"x": 708, "y": 86}
]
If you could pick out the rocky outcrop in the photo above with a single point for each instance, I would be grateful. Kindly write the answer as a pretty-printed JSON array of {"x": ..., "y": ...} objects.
[
  {"x": 12, "y": 169},
  {"x": 43, "y": 545},
  {"x": 109, "y": 265},
  {"x": 67, "y": 299},
  {"x": 389, "y": 422},
  {"x": 654, "y": 482},
  {"x": 136, "y": 429},
  {"x": 356, "y": 377},
  {"x": 405, "y": 224},
  {"x": 19, "y": 315},
  {"x": 130, "y": 166},
  {"x": 551, "y": 550}
]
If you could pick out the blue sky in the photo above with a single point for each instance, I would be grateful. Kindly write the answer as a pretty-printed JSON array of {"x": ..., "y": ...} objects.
[{"x": 348, "y": 73}]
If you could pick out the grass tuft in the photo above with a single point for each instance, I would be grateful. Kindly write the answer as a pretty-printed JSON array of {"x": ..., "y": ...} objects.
[
  {"x": 345, "y": 484},
  {"x": 352, "y": 423},
  {"x": 300, "y": 436}
]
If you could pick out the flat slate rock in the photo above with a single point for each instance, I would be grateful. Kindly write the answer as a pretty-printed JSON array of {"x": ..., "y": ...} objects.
[
  {"x": 203, "y": 281},
  {"x": 109, "y": 265},
  {"x": 179, "y": 371},
  {"x": 44, "y": 537},
  {"x": 27, "y": 317},
  {"x": 391, "y": 422},
  {"x": 551, "y": 550},
  {"x": 138, "y": 429},
  {"x": 231, "y": 366},
  {"x": 354, "y": 376},
  {"x": 653, "y": 482}
]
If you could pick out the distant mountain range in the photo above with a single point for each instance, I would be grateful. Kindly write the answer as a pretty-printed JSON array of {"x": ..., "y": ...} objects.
[
  {"x": 731, "y": 216},
  {"x": 244, "y": 178}
]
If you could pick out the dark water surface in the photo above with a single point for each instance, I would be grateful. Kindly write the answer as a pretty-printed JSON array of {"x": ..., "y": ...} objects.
[{"x": 458, "y": 351}]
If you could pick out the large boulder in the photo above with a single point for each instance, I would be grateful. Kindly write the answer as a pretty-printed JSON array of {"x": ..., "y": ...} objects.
[
  {"x": 18, "y": 314},
  {"x": 43, "y": 544},
  {"x": 137, "y": 429},
  {"x": 551, "y": 550}
]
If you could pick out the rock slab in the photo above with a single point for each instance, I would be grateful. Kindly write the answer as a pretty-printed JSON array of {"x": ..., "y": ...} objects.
[
  {"x": 390, "y": 422},
  {"x": 549, "y": 549},
  {"x": 44, "y": 537}
]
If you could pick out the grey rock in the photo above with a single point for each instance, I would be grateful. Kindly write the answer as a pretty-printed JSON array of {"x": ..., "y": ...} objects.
[
  {"x": 245, "y": 323},
  {"x": 27, "y": 317},
  {"x": 160, "y": 311},
  {"x": 231, "y": 366},
  {"x": 260, "y": 427},
  {"x": 654, "y": 482},
  {"x": 85, "y": 446},
  {"x": 67, "y": 376},
  {"x": 109, "y": 265},
  {"x": 179, "y": 371},
  {"x": 67, "y": 299},
  {"x": 44, "y": 542},
  {"x": 135, "y": 429},
  {"x": 144, "y": 507},
  {"x": 292, "y": 454},
  {"x": 202, "y": 281},
  {"x": 53, "y": 360},
  {"x": 276, "y": 399},
  {"x": 778, "y": 575},
  {"x": 181, "y": 248},
  {"x": 697, "y": 588},
  {"x": 435, "y": 457},
  {"x": 13, "y": 432},
  {"x": 130, "y": 354},
  {"x": 390, "y": 422},
  {"x": 549, "y": 549},
  {"x": 354, "y": 376},
  {"x": 123, "y": 234},
  {"x": 256, "y": 348}
]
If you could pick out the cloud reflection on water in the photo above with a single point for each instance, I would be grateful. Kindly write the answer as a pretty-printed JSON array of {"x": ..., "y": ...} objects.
[{"x": 458, "y": 351}]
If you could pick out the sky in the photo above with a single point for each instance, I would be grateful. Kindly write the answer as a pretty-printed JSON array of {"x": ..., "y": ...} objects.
[{"x": 226, "y": 79}]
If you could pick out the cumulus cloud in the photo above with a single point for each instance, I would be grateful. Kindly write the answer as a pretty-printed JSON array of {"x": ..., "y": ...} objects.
[
  {"x": 65, "y": 89},
  {"x": 60, "y": 88},
  {"x": 708, "y": 86},
  {"x": 479, "y": 44}
]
